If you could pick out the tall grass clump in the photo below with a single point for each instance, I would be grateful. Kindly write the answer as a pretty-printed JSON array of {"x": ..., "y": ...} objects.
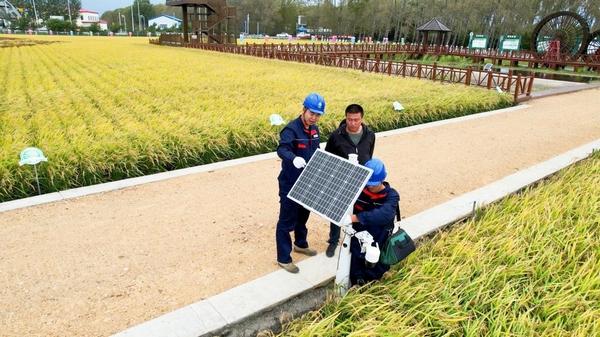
[
  {"x": 104, "y": 109},
  {"x": 527, "y": 266}
]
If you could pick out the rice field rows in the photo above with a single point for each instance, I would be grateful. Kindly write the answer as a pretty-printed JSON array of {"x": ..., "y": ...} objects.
[
  {"x": 528, "y": 266},
  {"x": 104, "y": 109}
]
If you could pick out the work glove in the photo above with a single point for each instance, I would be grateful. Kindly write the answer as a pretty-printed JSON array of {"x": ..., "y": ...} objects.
[
  {"x": 299, "y": 162},
  {"x": 346, "y": 220}
]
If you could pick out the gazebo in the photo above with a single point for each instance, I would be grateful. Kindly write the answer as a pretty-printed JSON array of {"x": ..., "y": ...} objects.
[
  {"x": 212, "y": 20},
  {"x": 435, "y": 26}
]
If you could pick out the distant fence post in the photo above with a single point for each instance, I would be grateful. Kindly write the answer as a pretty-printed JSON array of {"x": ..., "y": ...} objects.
[
  {"x": 468, "y": 76},
  {"x": 517, "y": 89}
]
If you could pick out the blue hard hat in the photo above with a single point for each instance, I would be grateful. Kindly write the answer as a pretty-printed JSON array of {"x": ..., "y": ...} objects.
[
  {"x": 315, "y": 103},
  {"x": 379, "y": 172}
]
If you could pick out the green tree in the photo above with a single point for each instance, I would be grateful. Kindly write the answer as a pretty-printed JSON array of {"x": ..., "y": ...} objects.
[
  {"x": 56, "y": 25},
  {"x": 47, "y": 8},
  {"x": 94, "y": 28},
  {"x": 114, "y": 27}
]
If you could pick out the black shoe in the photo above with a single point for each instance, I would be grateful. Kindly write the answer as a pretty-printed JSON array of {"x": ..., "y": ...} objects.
[{"x": 330, "y": 252}]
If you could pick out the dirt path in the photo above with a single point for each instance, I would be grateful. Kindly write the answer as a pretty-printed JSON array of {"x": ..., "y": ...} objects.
[{"x": 96, "y": 265}]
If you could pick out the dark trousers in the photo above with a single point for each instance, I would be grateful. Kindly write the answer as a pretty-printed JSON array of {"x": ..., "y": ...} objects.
[
  {"x": 359, "y": 272},
  {"x": 292, "y": 217},
  {"x": 334, "y": 234}
]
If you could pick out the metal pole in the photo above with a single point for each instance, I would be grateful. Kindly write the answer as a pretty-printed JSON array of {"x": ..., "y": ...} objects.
[
  {"x": 37, "y": 179},
  {"x": 120, "y": 24},
  {"x": 35, "y": 12},
  {"x": 132, "y": 22},
  {"x": 139, "y": 19},
  {"x": 69, "y": 8}
]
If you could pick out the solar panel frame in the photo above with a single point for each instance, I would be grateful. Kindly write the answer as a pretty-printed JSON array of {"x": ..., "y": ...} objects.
[{"x": 329, "y": 185}]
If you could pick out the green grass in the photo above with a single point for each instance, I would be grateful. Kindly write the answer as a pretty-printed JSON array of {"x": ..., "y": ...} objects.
[{"x": 527, "y": 266}]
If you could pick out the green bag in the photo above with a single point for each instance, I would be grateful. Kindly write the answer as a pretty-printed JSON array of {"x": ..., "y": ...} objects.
[
  {"x": 396, "y": 248},
  {"x": 398, "y": 245}
]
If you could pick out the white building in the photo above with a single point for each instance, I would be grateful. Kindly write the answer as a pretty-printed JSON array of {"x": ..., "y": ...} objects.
[
  {"x": 87, "y": 18},
  {"x": 165, "y": 22}
]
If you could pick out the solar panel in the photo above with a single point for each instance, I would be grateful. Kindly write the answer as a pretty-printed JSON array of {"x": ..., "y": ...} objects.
[{"x": 329, "y": 185}]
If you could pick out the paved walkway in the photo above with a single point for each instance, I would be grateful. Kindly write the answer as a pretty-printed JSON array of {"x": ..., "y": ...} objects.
[{"x": 98, "y": 264}]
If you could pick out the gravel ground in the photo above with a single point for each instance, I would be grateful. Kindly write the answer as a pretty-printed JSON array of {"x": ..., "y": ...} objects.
[{"x": 96, "y": 265}]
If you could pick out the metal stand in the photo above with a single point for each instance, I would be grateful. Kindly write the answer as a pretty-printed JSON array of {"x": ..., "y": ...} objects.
[
  {"x": 342, "y": 275},
  {"x": 37, "y": 180}
]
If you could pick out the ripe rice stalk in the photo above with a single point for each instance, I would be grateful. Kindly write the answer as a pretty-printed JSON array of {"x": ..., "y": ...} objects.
[
  {"x": 525, "y": 266},
  {"x": 139, "y": 109}
]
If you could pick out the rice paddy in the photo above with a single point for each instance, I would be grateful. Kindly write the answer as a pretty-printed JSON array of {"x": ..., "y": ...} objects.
[
  {"x": 527, "y": 266},
  {"x": 104, "y": 109}
]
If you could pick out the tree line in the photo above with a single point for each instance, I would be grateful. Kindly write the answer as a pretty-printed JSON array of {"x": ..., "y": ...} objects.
[
  {"x": 45, "y": 9},
  {"x": 392, "y": 19},
  {"x": 397, "y": 19}
]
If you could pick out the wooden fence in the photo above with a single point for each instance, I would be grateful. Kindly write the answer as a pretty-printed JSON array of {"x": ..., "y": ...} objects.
[{"x": 519, "y": 86}]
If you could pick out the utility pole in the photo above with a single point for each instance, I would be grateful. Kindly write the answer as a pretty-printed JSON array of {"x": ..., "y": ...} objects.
[
  {"x": 35, "y": 12},
  {"x": 124, "y": 21},
  {"x": 248, "y": 23},
  {"x": 132, "y": 22},
  {"x": 69, "y": 8},
  {"x": 139, "y": 18}
]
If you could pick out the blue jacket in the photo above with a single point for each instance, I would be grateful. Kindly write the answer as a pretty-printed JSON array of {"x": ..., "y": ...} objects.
[
  {"x": 376, "y": 213},
  {"x": 294, "y": 141}
]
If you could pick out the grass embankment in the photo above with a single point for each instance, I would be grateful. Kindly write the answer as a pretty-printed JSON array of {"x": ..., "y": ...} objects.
[
  {"x": 104, "y": 109},
  {"x": 527, "y": 266}
]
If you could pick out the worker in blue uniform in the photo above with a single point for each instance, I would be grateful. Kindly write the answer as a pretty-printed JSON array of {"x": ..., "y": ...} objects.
[
  {"x": 374, "y": 211},
  {"x": 299, "y": 140}
]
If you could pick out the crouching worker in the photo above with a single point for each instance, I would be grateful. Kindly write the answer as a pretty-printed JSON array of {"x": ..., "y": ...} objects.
[{"x": 374, "y": 212}]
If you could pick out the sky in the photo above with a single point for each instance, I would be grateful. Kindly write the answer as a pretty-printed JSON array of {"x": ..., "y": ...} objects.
[{"x": 105, "y": 5}]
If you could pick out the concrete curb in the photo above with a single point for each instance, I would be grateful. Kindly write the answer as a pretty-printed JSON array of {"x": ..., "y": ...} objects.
[
  {"x": 116, "y": 185},
  {"x": 564, "y": 90},
  {"x": 260, "y": 304}
]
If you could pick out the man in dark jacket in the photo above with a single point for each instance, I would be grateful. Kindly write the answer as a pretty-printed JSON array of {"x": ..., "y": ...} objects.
[
  {"x": 351, "y": 137},
  {"x": 374, "y": 212},
  {"x": 299, "y": 140}
]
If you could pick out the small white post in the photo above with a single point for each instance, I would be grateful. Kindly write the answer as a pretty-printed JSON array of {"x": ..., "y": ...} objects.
[{"x": 342, "y": 275}]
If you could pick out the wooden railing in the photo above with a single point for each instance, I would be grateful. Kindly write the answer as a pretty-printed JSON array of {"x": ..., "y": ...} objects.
[{"x": 533, "y": 60}]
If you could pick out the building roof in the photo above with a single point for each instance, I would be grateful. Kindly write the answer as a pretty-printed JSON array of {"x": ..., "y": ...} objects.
[
  {"x": 87, "y": 11},
  {"x": 168, "y": 17},
  {"x": 434, "y": 25}
]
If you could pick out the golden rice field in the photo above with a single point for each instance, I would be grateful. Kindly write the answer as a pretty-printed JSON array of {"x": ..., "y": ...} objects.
[
  {"x": 104, "y": 109},
  {"x": 527, "y": 266}
]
